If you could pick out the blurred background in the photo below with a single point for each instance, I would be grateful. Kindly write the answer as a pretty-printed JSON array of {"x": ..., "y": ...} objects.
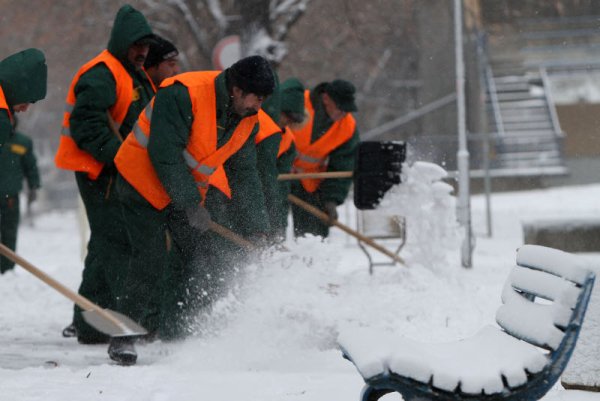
[{"x": 532, "y": 72}]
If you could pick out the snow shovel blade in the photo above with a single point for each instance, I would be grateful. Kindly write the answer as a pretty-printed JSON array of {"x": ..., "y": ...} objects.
[
  {"x": 113, "y": 323},
  {"x": 377, "y": 168}
]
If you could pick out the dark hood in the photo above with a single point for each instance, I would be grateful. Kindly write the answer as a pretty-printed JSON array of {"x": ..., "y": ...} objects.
[
  {"x": 24, "y": 77},
  {"x": 130, "y": 26}
]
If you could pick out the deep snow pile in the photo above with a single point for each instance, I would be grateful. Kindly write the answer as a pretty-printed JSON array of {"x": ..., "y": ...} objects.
[{"x": 273, "y": 337}]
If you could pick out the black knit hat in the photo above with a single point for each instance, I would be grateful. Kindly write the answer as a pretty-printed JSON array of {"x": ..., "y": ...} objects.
[
  {"x": 160, "y": 50},
  {"x": 252, "y": 75},
  {"x": 342, "y": 93}
]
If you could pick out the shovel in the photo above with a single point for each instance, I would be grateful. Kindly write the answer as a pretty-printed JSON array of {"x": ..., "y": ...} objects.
[
  {"x": 378, "y": 167},
  {"x": 325, "y": 218},
  {"x": 106, "y": 321}
]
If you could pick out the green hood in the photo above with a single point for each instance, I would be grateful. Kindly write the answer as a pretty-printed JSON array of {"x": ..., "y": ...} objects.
[
  {"x": 24, "y": 77},
  {"x": 130, "y": 26},
  {"x": 272, "y": 106}
]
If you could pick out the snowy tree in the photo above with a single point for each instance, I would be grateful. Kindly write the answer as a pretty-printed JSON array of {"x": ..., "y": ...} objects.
[{"x": 261, "y": 25}]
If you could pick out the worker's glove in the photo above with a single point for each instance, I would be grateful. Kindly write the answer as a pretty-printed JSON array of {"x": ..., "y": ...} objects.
[
  {"x": 198, "y": 217},
  {"x": 31, "y": 196},
  {"x": 331, "y": 209}
]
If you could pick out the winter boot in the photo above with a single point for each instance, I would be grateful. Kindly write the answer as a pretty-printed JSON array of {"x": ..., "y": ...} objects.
[
  {"x": 70, "y": 331},
  {"x": 122, "y": 350}
]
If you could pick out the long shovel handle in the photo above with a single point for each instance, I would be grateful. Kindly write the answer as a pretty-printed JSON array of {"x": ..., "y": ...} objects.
[
  {"x": 83, "y": 302},
  {"x": 230, "y": 235},
  {"x": 323, "y": 175},
  {"x": 323, "y": 216}
]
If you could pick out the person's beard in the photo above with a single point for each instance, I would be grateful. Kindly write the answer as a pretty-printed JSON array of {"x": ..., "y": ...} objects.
[{"x": 250, "y": 112}]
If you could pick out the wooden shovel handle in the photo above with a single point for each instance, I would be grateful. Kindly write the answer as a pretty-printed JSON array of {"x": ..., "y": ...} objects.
[
  {"x": 230, "y": 235},
  {"x": 323, "y": 216},
  {"x": 326, "y": 174},
  {"x": 83, "y": 302}
]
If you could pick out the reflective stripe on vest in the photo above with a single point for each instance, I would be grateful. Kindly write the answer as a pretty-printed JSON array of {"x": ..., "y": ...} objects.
[
  {"x": 69, "y": 156},
  {"x": 313, "y": 157},
  {"x": 204, "y": 160}
]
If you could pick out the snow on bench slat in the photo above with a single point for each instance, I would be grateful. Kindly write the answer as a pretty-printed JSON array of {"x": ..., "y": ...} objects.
[
  {"x": 477, "y": 363},
  {"x": 544, "y": 285},
  {"x": 557, "y": 262},
  {"x": 534, "y": 323}
]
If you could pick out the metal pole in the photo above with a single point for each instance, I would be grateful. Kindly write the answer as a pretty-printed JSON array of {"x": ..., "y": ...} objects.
[{"x": 464, "y": 207}]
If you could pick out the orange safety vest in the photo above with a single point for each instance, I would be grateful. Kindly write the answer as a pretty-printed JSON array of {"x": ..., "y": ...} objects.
[
  {"x": 201, "y": 155},
  {"x": 69, "y": 156},
  {"x": 287, "y": 139},
  {"x": 313, "y": 157},
  {"x": 266, "y": 127},
  {"x": 4, "y": 104}
]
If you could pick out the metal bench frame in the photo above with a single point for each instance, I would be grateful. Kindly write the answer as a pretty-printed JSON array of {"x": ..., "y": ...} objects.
[{"x": 401, "y": 236}]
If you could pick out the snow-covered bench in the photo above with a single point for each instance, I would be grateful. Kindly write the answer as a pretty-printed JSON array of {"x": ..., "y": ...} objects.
[{"x": 544, "y": 302}]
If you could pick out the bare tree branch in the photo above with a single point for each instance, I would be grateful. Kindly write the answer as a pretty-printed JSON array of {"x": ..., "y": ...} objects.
[
  {"x": 291, "y": 10},
  {"x": 214, "y": 7},
  {"x": 199, "y": 34}
]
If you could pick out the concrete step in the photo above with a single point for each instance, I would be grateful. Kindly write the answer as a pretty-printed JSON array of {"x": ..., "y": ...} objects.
[
  {"x": 527, "y": 125},
  {"x": 520, "y": 104},
  {"x": 518, "y": 96}
]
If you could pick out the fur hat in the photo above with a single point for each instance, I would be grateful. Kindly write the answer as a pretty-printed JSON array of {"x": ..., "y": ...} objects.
[
  {"x": 342, "y": 93},
  {"x": 160, "y": 50},
  {"x": 252, "y": 75}
]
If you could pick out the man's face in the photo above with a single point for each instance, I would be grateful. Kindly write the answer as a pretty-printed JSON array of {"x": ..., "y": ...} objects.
[
  {"x": 245, "y": 104},
  {"x": 21, "y": 107},
  {"x": 331, "y": 108},
  {"x": 164, "y": 70},
  {"x": 136, "y": 54}
]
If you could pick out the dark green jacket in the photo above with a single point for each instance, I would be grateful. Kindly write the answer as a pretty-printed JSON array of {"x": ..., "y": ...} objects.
[
  {"x": 169, "y": 134},
  {"x": 267, "y": 163},
  {"x": 23, "y": 78},
  {"x": 18, "y": 162},
  {"x": 96, "y": 91},
  {"x": 341, "y": 159}
]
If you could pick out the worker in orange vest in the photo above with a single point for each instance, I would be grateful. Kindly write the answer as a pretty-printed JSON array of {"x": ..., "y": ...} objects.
[
  {"x": 327, "y": 142},
  {"x": 23, "y": 80},
  {"x": 178, "y": 174},
  {"x": 103, "y": 102},
  {"x": 286, "y": 107}
]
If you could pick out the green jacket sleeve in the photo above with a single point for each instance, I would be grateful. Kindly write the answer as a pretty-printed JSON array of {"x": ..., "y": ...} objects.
[
  {"x": 248, "y": 200},
  {"x": 341, "y": 159},
  {"x": 29, "y": 165},
  {"x": 95, "y": 93},
  {"x": 266, "y": 154},
  {"x": 169, "y": 135},
  {"x": 5, "y": 128}
]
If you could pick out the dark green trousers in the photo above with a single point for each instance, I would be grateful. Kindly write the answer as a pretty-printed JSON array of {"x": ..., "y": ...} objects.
[
  {"x": 201, "y": 267},
  {"x": 305, "y": 222},
  {"x": 149, "y": 259},
  {"x": 9, "y": 225},
  {"x": 108, "y": 249}
]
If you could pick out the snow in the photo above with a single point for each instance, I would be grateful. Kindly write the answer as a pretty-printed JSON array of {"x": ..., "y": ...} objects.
[
  {"x": 477, "y": 363},
  {"x": 274, "y": 337}
]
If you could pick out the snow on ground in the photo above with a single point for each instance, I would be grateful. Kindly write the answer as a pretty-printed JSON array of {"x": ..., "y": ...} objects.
[{"x": 274, "y": 337}]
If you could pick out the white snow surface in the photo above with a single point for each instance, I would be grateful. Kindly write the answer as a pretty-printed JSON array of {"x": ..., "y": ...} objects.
[{"x": 274, "y": 336}]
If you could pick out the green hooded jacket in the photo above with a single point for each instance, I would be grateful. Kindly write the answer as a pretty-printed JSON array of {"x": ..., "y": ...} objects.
[
  {"x": 18, "y": 162},
  {"x": 95, "y": 91},
  {"x": 172, "y": 120},
  {"x": 341, "y": 159},
  {"x": 23, "y": 78}
]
